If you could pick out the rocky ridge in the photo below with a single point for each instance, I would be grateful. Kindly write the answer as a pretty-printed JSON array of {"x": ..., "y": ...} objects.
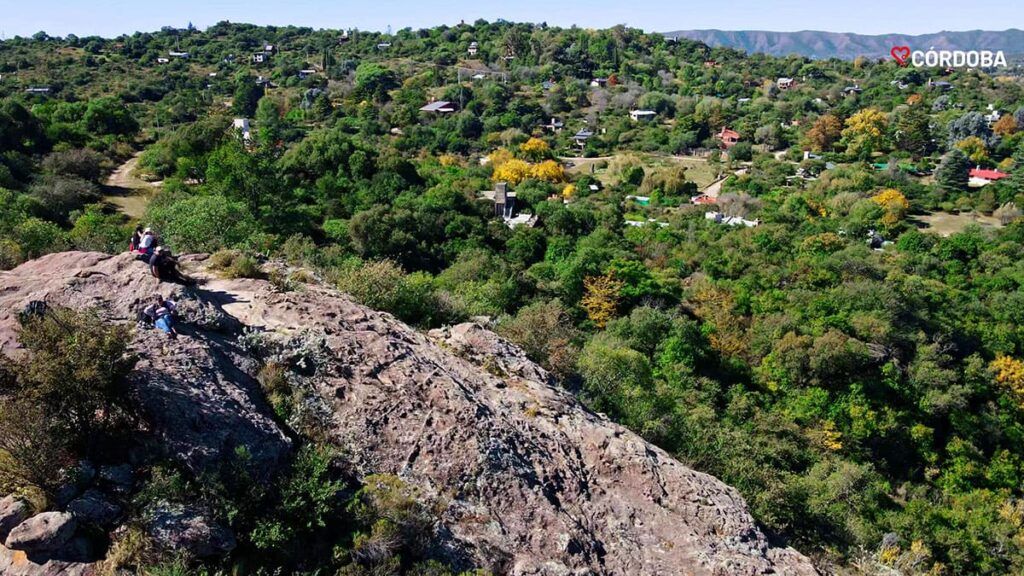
[{"x": 527, "y": 481}]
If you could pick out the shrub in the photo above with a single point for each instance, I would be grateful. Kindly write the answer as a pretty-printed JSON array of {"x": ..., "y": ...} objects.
[{"x": 202, "y": 223}]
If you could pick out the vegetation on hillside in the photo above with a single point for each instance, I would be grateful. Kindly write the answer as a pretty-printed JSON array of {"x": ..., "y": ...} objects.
[{"x": 868, "y": 403}]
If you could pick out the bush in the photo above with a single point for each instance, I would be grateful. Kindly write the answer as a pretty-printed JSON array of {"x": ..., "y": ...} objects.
[
  {"x": 80, "y": 163},
  {"x": 63, "y": 394},
  {"x": 60, "y": 195},
  {"x": 202, "y": 223}
]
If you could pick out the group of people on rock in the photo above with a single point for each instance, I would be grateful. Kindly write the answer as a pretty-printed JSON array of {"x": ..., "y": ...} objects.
[
  {"x": 145, "y": 244},
  {"x": 159, "y": 312}
]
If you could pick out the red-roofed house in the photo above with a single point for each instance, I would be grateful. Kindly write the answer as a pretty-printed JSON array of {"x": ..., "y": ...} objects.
[
  {"x": 703, "y": 199},
  {"x": 728, "y": 137},
  {"x": 990, "y": 175}
]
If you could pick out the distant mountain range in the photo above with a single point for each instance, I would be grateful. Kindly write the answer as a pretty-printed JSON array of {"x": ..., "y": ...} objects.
[{"x": 817, "y": 44}]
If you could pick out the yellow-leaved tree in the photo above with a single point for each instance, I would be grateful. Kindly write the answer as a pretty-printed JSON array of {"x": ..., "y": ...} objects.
[
  {"x": 601, "y": 298},
  {"x": 1009, "y": 373},
  {"x": 548, "y": 171},
  {"x": 865, "y": 131},
  {"x": 894, "y": 203},
  {"x": 499, "y": 157},
  {"x": 569, "y": 191},
  {"x": 512, "y": 171},
  {"x": 535, "y": 149},
  {"x": 975, "y": 149}
]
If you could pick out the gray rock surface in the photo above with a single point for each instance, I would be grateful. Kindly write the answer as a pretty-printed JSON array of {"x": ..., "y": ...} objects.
[
  {"x": 13, "y": 511},
  {"x": 94, "y": 507},
  {"x": 526, "y": 480},
  {"x": 183, "y": 529},
  {"x": 16, "y": 563},
  {"x": 47, "y": 534}
]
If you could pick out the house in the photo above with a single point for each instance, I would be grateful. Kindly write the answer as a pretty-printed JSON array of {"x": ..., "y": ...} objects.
[
  {"x": 728, "y": 137},
  {"x": 162, "y": 60},
  {"x": 344, "y": 37},
  {"x": 38, "y": 90},
  {"x": 242, "y": 126},
  {"x": 547, "y": 85},
  {"x": 581, "y": 137},
  {"x": 720, "y": 218},
  {"x": 438, "y": 107},
  {"x": 641, "y": 200},
  {"x": 505, "y": 206},
  {"x": 259, "y": 57},
  {"x": 993, "y": 115},
  {"x": 555, "y": 125},
  {"x": 642, "y": 115},
  {"x": 176, "y": 54},
  {"x": 268, "y": 48},
  {"x": 855, "y": 89},
  {"x": 384, "y": 45},
  {"x": 479, "y": 76},
  {"x": 303, "y": 74},
  {"x": 940, "y": 85},
  {"x": 982, "y": 177},
  {"x": 711, "y": 64},
  {"x": 785, "y": 83},
  {"x": 599, "y": 82},
  {"x": 265, "y": 82},
  {"x": 703, "y": 200},
  {"x": 645, "y": 222},
  {"x": 473, "y": 48}
]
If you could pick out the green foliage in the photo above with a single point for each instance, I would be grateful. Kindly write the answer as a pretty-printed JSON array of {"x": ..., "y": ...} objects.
[{"x": 202, "y": 223}]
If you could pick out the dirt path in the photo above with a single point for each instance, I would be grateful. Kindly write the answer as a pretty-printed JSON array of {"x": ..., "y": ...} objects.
[
  {"x": 126, "y": 192},
  {"x": 716, "y": 187}
]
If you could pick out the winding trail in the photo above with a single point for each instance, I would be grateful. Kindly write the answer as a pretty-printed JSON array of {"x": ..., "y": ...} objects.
[{"x": 126, "y": 192}]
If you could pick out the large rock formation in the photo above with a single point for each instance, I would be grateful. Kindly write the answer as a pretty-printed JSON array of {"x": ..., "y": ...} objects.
[{"x": 527, "y": 480}]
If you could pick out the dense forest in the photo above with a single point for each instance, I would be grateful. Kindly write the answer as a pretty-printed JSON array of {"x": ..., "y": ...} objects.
[{"x": 849, "y": 357}]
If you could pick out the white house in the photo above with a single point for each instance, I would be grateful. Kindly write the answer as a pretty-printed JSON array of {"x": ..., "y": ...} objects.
[
  {"x": 730, "y": 220},
  {"x": 242, "y": 125},
  {"x": 785, "y": 83},
  {"x": 473, "y": 48},
  {"x": 162, "y": 60},
  {"x": 176, "y": 54},
  {"x": 642, "y": 115}
]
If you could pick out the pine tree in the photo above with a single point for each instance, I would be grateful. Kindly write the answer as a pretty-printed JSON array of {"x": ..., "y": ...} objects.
[{"x": 952, "y": 173}]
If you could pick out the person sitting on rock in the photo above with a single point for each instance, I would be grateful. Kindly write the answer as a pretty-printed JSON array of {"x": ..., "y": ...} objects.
[
  {"x": 133, "y": 244},
  {"x": 162, "y": 312},
  {"x": 163, "y": 265},
  {"x": 147, "y": 244}
]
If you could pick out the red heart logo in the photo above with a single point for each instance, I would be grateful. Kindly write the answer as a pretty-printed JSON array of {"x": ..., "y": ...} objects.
[{"x": 900, "y": 54}]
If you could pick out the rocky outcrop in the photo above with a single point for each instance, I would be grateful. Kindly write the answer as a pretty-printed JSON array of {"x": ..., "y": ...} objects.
[
  {"x": 44, "y": 534},
  {"x": 525, "y": 479},
  {"x": 183, "y": 529},
  {"x": 199, "y": 407},
  {"x": 13, "y": 511}
]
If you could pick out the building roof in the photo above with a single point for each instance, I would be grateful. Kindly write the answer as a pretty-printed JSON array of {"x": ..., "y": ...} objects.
[
  {"x": 726, "y": 132},
  {"x": 987, "y": 174},
  {"x": 438, "y": 106},
  {"x": 703, "y": 199}
]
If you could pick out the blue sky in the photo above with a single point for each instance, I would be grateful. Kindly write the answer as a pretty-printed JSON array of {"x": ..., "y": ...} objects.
[{"x": 113, "y": 17}]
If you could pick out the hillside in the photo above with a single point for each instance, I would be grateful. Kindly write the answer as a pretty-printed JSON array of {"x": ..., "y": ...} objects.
[
  {"x": 524, "y": 480},
  {"x": 820, "y": 45}
]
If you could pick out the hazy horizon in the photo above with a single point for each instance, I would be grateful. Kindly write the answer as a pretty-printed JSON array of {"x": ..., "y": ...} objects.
[{"x": 111, "y": 18}]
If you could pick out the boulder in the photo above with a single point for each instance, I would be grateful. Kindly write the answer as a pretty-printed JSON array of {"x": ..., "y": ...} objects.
[
  {"x": 184, "y": 529},
  {"x": 16, "y": 563},
  {"x": 47, "y": 534},
  {"x": 95, "y": 508},
  {"x": 13, "y": 511},
  {"x": 119, "y": 479}
]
